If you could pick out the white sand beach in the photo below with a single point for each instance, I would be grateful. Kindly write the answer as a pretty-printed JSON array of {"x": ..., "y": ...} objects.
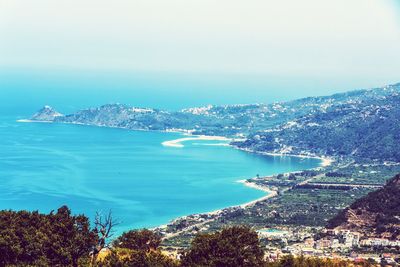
[
  {"x": 325, "y": 161},
  {"x": 26, "y": 121},
  {"x": 270, "y": 193},
  {"x": 178, "y": 142}
]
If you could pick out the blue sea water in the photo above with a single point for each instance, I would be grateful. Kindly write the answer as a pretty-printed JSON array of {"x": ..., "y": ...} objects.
[{"x": 145, "y": 184}]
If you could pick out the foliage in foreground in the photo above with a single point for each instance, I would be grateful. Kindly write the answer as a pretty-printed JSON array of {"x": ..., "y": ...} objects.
[
  {"x": 235, "y": 246},
  {"x": 62, "y": 239},
  {"x": 56, "y": 239},
  {"x": 137, "y": 248}
]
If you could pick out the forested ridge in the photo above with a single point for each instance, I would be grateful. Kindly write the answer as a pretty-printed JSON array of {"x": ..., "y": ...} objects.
[
  {"x": 362, "y": 124},
  {"x": 378, "y": 213}
]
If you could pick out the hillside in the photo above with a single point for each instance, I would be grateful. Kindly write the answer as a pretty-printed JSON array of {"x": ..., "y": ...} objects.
[
  {"x": 233, "y": 120},
  {"x": 363, "y": 124},
  {"x": 377, "y": 214}
]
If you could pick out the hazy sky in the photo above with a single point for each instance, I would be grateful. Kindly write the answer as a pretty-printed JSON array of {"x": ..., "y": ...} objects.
[{"x": 357, "y": 40}]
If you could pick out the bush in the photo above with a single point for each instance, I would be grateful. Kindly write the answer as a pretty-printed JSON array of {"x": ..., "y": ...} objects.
[
  {"x": 56, "y": 239},
  {"x": 235, "y": 246},
  {"x": 138, "y": 240}
]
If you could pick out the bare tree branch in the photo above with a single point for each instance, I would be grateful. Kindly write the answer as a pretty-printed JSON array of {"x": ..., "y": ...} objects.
[{"x": 104, "y": 226}]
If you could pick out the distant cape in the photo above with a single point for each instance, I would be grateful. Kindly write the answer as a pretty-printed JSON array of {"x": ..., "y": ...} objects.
[{"x": 361, "y": 124}]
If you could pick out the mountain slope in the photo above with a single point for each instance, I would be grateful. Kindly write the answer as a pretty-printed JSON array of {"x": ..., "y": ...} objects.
[
  {"x": 363, "y": 124},
  {"x": 230, "y": 120},
  {"x": 377, "y": 214}
]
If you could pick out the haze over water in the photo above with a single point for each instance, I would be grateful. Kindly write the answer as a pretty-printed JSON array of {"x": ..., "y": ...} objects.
[{"x": 23, "y": 91}]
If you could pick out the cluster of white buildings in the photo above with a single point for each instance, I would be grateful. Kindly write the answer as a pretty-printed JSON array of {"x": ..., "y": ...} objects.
[
  {"x": 341, "y": 239},
  {"x": 379, "y": 242},
  {"x": 284, "y": 235},
  {"x": 350, "y": 239},
  {"x": 334, "y": 243}
]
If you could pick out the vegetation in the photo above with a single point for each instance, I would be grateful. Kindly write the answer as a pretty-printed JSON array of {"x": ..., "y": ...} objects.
[
  {"x": 371, "y": 173},
  {"x": 296, "y": 207},
  {"x": 235, "y": 246},
  {"x": 361, "y": 124},
  {"x": 361, "y": 128},
  {"x": 379, "y": 211},
  {"x": 137, "y": 248},
  {"x": 138, "y": 240},
  {"x": 56, "y": 239},
  {"x": 137, "y": 258},
  {"x": 62, "y": 239}
]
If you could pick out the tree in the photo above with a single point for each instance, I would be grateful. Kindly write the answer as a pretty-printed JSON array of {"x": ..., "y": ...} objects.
[
  {"x": 137, "y": 258},
  {"x": 9, "y": 249},
  {"x": 70, "y": 238},
  {"x": 138, "y": 240},
  {"x": 137, "y": 248},
  {"x": 56, "y": 239},
  {"x": 104, "y": 226},
  {"x": 234, "y": 246}
]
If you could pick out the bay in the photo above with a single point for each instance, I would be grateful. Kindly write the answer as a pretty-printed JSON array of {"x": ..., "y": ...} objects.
[{"x": 145, "y": 184}]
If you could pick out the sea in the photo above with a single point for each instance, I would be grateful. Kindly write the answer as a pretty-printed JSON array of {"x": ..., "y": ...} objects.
[{"x": 130, "y": 173}]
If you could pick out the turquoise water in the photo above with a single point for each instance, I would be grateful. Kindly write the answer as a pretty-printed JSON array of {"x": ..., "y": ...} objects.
[
  {"x": 271, "y": 230},
  {"x": 44, "y": 166}
]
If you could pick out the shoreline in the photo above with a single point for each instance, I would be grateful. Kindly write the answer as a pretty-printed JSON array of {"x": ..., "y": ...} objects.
[
  {"x": 270, "y": 194},
  {"x": 173, "y": 130},
  {"x": 178, "y": 142},
  {"x": 28, "y": 121},
  {"x": 325, "y": 161},
  {"x": 213, "y": 214}
]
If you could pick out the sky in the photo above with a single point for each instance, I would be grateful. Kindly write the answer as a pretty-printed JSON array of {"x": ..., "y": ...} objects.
[{"x": 262, "y": 46}]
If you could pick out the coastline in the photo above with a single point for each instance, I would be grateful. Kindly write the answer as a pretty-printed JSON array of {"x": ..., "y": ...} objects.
[
  {"x": 180, "y": 131},
  {"x": 178, "y": 142},
  {"x": 270, "y": 193},
  {"x": 28, "y": 121},
  {"x": 214, "y": 214},
  {"x": 325, "y": 161}
]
